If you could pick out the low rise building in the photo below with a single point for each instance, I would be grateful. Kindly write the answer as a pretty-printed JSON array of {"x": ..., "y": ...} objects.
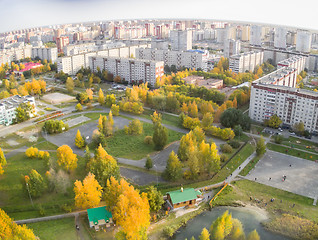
[
  {"x": 129, "y": 69},
  {"x": 9, "y": 105},
  {"x": 183, "y": 197},
  {"x": 99, "y": 217},
  {"x": 201, "y": 82}
]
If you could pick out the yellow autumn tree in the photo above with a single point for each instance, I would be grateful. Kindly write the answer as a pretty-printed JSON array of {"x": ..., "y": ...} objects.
[
  {"x": 129, "y": 208},
  {"x": 10, "y": 230},
  {"x": 32, "y": 152},
  {"x": 101, "y": 97},
  {"x": 79, "y": 141},
  {"x": 87, "y": 194},
  {"x": 66, "y": 158},
  {"x": 205, "y": 235},
  {"x": 89, "y": 93}
]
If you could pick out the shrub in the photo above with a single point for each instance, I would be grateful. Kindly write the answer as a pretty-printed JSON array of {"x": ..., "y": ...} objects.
[
  {"x": 135, "y": 127},
  {"x": 168, "y": 231},
  {"x": 226, "y": 148},
  {"x": 234, "y": 144},
  {"x": 148, "y": 140},
  {"x": 32, "y": 152},
  {"x": 223, "y": 158},
  {"x": 278, "y": 139}
]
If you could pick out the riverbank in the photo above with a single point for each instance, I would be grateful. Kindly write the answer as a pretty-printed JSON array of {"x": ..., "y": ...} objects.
[{"x": 282, "y": 208}]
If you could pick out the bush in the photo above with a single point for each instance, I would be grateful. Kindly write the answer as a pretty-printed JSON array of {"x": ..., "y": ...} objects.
[
  {"x": 278, "y": 139},
  {"x": 135, "y": 127},
  {"x": 32, "y": 152},
  {"x": 223, "y": 158},
  {"x": 148, "y": 140},
  {"x": 234, "y": 144},
  {"x": 54, "y": 126},
  {"x": 168, "y": 231},
  {"x": 226, "y": 148}
]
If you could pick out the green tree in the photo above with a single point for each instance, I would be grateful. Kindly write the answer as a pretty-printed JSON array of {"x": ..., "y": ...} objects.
[
  {"x": 274, "y": 121},
  {"x": 110, "y": 100},
  {"x": 69, "y": 84},
  {"x": 35, "y": 183},
  {"x": 299, "y": 128},
  {"x": 155, "y": 199},
  {"x": 232, "y": 117},
  {"x": 260, "y": 146},
  {"x": 207, "y": 120},
  {"x": 205, "y": 235},
  {"x": 148, "y": 163},
  {"x": 135, "y": 127},
  {"x": 238, "y": 131},
  {"x": 173, "y": 170},
  {"x": 103, "y": 166},
  {"x": 160, "y": 136},
  {"x": 23, "y": 112}
]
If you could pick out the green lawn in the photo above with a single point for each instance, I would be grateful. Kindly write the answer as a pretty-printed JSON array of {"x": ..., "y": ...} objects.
[
  {"x": 233, "y": 164},
  {"x": 55, "y": 229},
  {"x": 292, "y": 151},
  {"x": 166, "y": 118},
  {"x": 250, "y": 165},
  {"x": 133, "y": 147},
  {"x": 45, "y": 145},
  {"x": 17, "y": 203}
]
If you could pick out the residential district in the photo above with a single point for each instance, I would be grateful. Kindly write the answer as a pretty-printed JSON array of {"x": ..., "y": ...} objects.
[{"x": 135, "y": 129}]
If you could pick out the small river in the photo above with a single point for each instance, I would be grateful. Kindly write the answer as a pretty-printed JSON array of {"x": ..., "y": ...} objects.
[{"x": 250, "y": 220}]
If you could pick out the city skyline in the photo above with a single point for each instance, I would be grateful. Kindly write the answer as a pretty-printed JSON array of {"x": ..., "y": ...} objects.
[{"x": 72, "y": 11}]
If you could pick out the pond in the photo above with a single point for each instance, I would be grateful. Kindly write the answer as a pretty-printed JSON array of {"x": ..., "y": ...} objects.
[{"x": 250, "y": 219}]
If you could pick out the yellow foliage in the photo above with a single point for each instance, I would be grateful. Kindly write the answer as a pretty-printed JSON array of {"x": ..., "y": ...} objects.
[
  {"x": 32, "y": 152},
  {"x": 66, "y": 158}
]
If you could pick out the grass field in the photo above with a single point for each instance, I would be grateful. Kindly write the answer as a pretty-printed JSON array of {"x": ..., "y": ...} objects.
[
  {"x": 166, "y": 118},
  {"x": 55, "y": 229},
  {"x": 292, "y": 151},
  {"x": 17, "y": 203},
  {"x": 133, "y": 147}
]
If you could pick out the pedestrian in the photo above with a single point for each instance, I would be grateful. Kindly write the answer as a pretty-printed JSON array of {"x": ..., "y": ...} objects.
[
  {"x": 293, "y": 205},
  {"x": 289, "y": 165},
  {"x": 269, "y": 179},
  {"x": 239, "y": 167},
  {"x": 265, "y": 204},
  {"x": 255, "y": 179}
]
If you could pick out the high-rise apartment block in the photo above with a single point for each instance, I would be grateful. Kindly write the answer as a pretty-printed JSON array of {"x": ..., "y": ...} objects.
[
  {"x": 61, "y": 42},
  {"x": 298, "y": 62},
  {"x": 231, "y": 47},
  {"x": 129, "y": 69},
  {"x": 280, "y": 38},
  {"x": 50, "y": 54},
  {"x": 246, "y": 61},
  {"x": 303, "y": 42},
  {"x": 181, "y": 40},
  {"x": 256, "y": 35}
]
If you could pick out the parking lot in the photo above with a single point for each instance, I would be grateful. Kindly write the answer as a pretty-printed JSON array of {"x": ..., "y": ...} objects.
[{"x": 301, "y": 175}]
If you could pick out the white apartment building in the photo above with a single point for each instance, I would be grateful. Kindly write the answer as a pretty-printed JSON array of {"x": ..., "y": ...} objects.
[
  {"x": 298, "y": 62},
  {"x": 8, "y": 106},
  {"x": 280, "y": 38},
  {"x": 129, "y": 69},
  {"x": 291, "y": 105},
  {"x": 245, "y": 33},
  {"x": 74, "y": 49},
  {"x": 246, "y": 61},
  {"x": 181, "y": 40},
  {"x": 303, "y": 42},
  {"x": 15, "y": 54},
  {"x": 189, "y": 59},
  {"x": 256, "y": 35},
  {"x": 50, "y": 54},
  {"x": 285, "y": 76},
  {"x": 72, "y": 64},
  {"x": 231, "y": 47}
]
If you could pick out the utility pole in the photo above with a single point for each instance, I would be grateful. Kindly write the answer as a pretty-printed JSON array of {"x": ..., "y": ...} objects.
[{"x": 29, "y": 194}]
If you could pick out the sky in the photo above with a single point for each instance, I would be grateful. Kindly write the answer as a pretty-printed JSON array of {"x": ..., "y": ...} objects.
[{"x": 19, "y": 14}]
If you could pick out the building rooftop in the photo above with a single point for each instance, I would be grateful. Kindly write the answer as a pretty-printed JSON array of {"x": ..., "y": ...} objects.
[
  {"x": 100, "y": 213},
  {"x": 184, "y": 195},
  {"x": 274, "y": 76},
  {"x": 14, "y": 101}
]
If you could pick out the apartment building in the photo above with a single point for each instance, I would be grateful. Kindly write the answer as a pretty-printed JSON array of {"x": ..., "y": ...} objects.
[
  {"x": 9, "y": 105},
  {"x": 256, "y": 35},
  {"x": 291, "y": 105},
  {"x": 181, "y": 40},
  {"x": 50, "y": 54},
  {"x": 280, "y": 38},
  {"x": 231, "y": 47},
  {"x": 61, "y": 42},
  {"x": 72, "y": 64},
  {"x": 297, "y": 61},
  {"x": 129, "y": 69},
  {"x": 285, "y": 76},
  {"x": 303, "y": 42},
  {"x": 246, "y": 61},
  {"x": 15, "y": 54},
  {"x": 189, "y": 59}
]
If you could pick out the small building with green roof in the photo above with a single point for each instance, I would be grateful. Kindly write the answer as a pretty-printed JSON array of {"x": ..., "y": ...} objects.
[
  {"x": 183, "y": 197},
  {"x": 99, "y": 217}
]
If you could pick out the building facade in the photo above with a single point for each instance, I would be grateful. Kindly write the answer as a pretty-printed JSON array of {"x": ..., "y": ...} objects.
[
  {"x": 61, "y": 42},
  {"x": 129, "y": 69},
  {"x": 246, "y": 61},
  {"x": 297, "y": 61},
  {"x": 291, "y": 105},
  {"x": 181, "y": 40},
  {"x": 256, "y": 35},
  {"x": 231, "y": 47},
  {"x": 9, "y": 105},
  {"x": 303, "y": 42},
  {"x": 280, "y": 38},
  {"x": 50, "y": 54},
  {"x": 190, "y": 59}
]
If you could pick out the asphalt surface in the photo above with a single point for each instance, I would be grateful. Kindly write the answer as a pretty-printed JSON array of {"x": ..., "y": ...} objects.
[{"x": 301, "y": 176}]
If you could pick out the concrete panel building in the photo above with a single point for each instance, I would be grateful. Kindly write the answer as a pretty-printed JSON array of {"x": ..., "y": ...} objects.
[
  {"x": 181, "y": 40},
  {"x": 231, "y": 47},
  {"x": 129, "y": 69},
  {"x": 246, "y": 61},
  {"x": 256, "y": 35},
  {"x": 303, "y": 43},
  {"x": 280, "y": 38},
  {"x": 50, "y": 54}
]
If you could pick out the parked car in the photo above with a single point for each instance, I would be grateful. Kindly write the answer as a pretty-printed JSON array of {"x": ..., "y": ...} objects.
[
  {"x": 292, "y": 133},
  {"x": 279, "y": 129}
]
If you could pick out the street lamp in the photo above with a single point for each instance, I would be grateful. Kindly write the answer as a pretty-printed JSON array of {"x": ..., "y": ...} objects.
[{"x": 156, "y": 173}]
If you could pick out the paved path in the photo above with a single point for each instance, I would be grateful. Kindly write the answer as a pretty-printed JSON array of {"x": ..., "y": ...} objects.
[{"x": 78, "y": 227}]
